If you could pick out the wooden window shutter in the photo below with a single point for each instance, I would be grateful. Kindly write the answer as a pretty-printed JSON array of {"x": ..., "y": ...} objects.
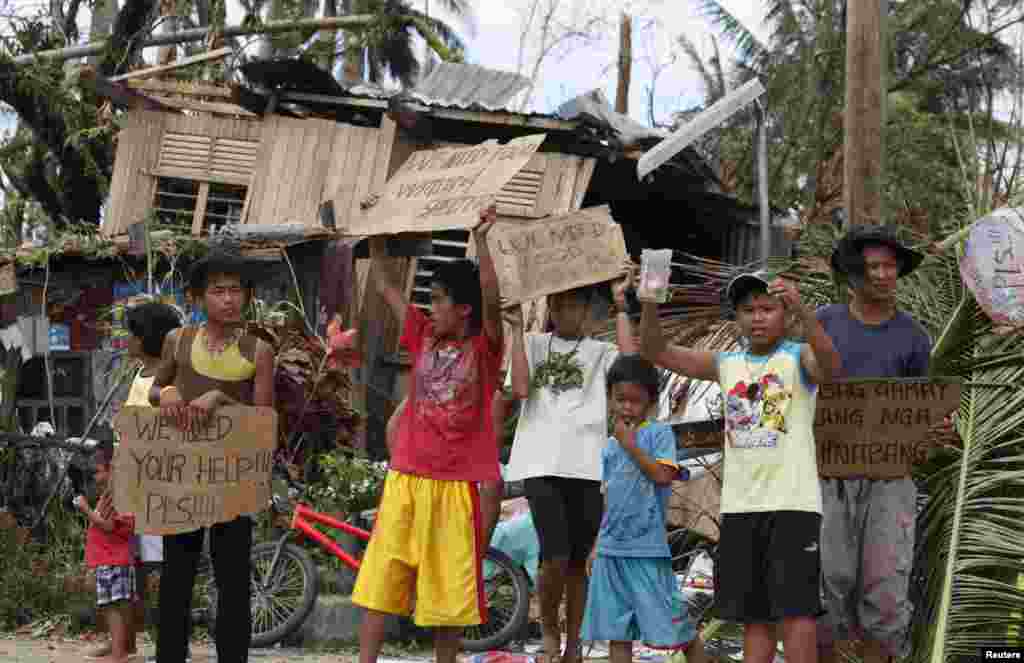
[
  {"x": 204, "y": 158},
  {"x": 233, "y": 158},
  {"x": 185, "y": 155},
  {"x": 531, "y": 192}
]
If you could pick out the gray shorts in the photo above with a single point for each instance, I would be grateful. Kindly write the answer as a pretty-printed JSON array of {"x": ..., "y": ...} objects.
[{"x": 867, "y": 554}]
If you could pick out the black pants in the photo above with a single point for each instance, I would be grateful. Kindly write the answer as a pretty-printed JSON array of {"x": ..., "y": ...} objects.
[
  {"x": 230, "y": 547},
  {"x": 566, "y": 514}
]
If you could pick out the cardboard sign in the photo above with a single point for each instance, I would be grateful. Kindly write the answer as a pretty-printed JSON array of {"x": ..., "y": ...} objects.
[
  {"x": 445, "y": 189},
  {"x": 177, "y": 482},
  {"x": 8, "y": 279},
  {"x": 875, "y": 429},
  {"x": 878, "y": 429},
  {"x": 538, "y": 258}
]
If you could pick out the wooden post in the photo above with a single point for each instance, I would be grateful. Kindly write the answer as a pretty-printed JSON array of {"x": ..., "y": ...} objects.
[
  {"x": 864, "y": 147},
  {"x": 625, "y": 64}
]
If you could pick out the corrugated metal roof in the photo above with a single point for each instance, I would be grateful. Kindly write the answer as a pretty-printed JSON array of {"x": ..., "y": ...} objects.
[{"x": 466, "y": 86}]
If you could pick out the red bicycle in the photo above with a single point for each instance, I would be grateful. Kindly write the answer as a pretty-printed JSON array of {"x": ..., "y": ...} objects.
[{"x": 285, "y": 583}]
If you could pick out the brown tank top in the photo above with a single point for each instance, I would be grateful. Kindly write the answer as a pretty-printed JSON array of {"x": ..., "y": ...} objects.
[{"x": 198, "y": 371}]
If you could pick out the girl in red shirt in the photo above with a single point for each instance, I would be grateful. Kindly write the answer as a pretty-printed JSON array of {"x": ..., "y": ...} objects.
[{"x": 110, "y": 550}]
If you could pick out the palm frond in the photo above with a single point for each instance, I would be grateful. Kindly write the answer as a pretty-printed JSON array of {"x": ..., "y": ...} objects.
[
  {"x": 697, "y": 62},
  {"x": 748, "y": 46}
]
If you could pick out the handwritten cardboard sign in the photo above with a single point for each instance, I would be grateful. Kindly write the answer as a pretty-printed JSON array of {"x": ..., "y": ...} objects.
[
  {"x": 876, "y": 429},
  {"x": 879, "y": 428},
  {"x": 445, "y": 189},
  {"x": 177, "y": 482},
  {"x": 538, "y": 258}
]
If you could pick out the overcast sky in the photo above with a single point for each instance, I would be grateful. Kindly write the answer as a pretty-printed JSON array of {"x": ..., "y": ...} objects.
[{"x": 495, "y": 44}]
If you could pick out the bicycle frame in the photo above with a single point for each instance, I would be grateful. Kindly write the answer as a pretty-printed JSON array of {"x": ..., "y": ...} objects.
[{"x": 301, "y": 523}]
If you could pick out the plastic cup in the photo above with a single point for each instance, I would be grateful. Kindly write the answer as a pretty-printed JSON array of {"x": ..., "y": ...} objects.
[{"x": 655, "y": 271}]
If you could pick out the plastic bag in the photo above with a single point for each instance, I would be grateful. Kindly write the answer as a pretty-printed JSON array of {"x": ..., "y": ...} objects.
[{"x": 655, "y": 271}]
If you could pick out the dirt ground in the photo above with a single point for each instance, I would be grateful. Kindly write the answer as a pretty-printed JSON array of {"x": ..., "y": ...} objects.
[{"x": 21, "y": 649}]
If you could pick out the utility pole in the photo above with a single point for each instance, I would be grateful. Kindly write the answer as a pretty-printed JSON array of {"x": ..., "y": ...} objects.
[
  {"x": 625, "y": 64},
  {"x": 864, "y": 121}
]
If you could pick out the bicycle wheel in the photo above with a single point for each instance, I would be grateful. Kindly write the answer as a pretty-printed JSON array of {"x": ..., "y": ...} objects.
[
  {"x": 507, "y": 591},
  {"x": 282, "y": 596}
]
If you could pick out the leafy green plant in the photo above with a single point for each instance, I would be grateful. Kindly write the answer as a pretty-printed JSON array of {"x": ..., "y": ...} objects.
[{"x": 349, "y": 484}]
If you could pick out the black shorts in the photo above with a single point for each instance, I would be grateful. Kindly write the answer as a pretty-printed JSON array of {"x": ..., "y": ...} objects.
[
  {"x": 769, "y": 567},
  {"x": 566, "y": 514}
]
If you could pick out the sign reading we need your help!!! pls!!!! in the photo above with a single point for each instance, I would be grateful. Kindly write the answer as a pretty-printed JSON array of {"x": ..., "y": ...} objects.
[
  {"x": 445, "y": 189},
  {"x": 178, "y": 481}
]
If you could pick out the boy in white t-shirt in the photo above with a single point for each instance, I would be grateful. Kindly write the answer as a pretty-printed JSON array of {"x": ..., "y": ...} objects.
[{"x": 563, "y": 426}]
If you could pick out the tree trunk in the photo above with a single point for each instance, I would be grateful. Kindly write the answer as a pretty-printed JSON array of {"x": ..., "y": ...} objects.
[
  {"x": 352, "y": 69},
  {"x": 102, "y": 23},
  {"x": 330, "y": 37},
  {"x": 864, "y": 148},
  {"x": 168, "y": 26},
  {"x": 625, "y": 64}
]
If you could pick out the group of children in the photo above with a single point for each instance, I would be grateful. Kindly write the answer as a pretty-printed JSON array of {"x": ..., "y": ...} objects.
[
  {"x": 188, "y": 372},
  {"x": 596, "y": 465},
  {"x": 598, "y": 501}
]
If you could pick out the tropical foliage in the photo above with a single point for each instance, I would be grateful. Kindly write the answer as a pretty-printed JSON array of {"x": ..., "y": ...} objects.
[{"x": 950, "y": 64}]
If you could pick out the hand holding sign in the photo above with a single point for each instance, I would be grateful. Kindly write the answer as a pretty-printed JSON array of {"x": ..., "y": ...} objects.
[{"x": 539, "y": 258}]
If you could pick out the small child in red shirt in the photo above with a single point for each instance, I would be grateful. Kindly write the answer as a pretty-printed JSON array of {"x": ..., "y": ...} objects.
[{"x": 110, "y": 550}]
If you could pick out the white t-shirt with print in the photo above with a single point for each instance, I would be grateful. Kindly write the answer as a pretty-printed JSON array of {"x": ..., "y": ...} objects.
[{"x": 563, "y": 434}]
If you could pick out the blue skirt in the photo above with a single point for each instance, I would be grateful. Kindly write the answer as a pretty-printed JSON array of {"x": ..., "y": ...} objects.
[{"x": 634, "y": 599}]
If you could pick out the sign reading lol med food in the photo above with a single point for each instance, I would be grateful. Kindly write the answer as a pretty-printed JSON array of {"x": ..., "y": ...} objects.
[
  {"x": 176, "y": 481},
  {"x": 538, "y": 258}
]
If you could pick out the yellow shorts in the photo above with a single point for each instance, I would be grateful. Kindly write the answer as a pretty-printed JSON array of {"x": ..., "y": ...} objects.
[{"x": 427, "y": 544}]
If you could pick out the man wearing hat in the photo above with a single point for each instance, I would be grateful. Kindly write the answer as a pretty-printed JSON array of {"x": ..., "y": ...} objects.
[{"x": 868, "y": 525}]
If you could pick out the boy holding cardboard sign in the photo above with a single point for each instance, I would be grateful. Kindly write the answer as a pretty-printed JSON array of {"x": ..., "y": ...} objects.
[
  {"x": 204, "y": 368},
  {"x": 769, "y": 562},
  {"x": 428, "y": 538}
]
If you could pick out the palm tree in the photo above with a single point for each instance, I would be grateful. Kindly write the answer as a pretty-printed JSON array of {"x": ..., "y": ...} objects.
[{"x": 388, "y": 48}]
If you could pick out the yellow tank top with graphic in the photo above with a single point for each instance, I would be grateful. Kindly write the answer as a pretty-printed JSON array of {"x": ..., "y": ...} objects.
[
  {"x": 230, "y": 365},
  {"x": 770, "y": 461}
]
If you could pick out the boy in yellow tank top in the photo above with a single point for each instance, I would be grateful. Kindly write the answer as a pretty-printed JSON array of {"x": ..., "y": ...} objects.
[
  {"x": 202, "y": 369},
  {"x": 769, "y": 559}
]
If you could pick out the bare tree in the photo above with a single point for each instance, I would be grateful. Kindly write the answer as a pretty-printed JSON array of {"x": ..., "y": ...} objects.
[{"x": 552, "y": 29}]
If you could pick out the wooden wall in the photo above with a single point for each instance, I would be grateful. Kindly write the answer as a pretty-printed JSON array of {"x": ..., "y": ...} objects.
[{"x": 290, "y": 166}]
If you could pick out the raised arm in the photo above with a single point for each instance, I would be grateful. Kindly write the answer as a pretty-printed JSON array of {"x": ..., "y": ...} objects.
[
  {"x": 519, "y": 365},
  {"x": 624, "y": 333},
  {"x": 819, "y": 357},
  {"x": 491, "y": 295},
  {"x": 697, "y": 364},
  {"x": 383, "y": 279}
]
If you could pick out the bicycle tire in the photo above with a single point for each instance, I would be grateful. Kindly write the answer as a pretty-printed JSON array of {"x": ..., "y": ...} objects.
[
  {"x": 496, "y": 633},
  {"x": 277, "y": 629}
]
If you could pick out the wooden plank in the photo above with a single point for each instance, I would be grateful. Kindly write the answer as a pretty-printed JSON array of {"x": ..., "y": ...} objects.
[
  {"x": 200, "y": 211},
  {"x": 345, "y": 196},
  {"x": 183, "y": 88},
  {"x": 178, "y": 64},
  {"x": 279, "y": 138},
  {"x": 261, "y": 175},
  {"x": 569, "y": 166},
  {"x": 367, "y": 165},
  {"x": 335, "y": 169},
  {"x": 583, "y": 177}
]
